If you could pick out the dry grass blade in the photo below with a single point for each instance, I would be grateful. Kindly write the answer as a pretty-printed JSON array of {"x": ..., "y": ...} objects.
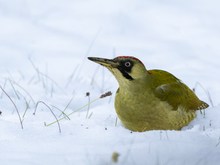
[
  {"x": 57, "y": 121},
  {"x": 16, "y": 93},
  {"x": 41, "y": 77},
  {"x": 26, "y": 109},
  {"x": 77, "y": 110},
  {"x": 71, "y": 76},
  {"x": 3, "y": 87},
  {"x": 218, "y": 142},
  {"x": 66, "y": 107},
  {"x": 24, "y": 90},
  {"x": 87, "y": 113},
  {"x": 16, "y": 108},
  {"x": 62, "y": 112},
  {"x": 206, "y": 92}
]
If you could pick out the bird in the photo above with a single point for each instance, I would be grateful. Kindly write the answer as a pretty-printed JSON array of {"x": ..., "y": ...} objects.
[{"x": 150, "y": 99}]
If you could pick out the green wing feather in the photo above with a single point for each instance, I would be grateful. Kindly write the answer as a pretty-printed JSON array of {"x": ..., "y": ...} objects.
[{"x": 170, "y": 89}]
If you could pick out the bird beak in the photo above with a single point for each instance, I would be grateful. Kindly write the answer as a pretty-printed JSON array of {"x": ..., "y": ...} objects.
[{"x": 105, "y": 62}]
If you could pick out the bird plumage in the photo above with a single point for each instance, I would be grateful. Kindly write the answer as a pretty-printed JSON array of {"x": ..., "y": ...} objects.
[
  {"x": 150, "y": 99},
  {"x": 169, "y": 88}
]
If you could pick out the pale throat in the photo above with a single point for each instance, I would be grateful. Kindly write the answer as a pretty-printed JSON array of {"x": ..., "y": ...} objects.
[{"x": 134, "y": 86}]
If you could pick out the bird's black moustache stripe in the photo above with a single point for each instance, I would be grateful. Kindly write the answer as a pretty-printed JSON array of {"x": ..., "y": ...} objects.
[{"x": 125, "y": 74}]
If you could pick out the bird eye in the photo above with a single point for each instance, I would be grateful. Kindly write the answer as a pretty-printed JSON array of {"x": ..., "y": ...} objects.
[{"x": 128, "y": 64}]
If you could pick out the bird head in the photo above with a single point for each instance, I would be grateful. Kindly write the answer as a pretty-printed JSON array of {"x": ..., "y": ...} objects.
[{"x": 126, "y": 69}]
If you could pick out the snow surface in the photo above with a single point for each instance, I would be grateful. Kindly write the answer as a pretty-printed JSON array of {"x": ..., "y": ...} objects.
[{"x": 44, "y": 47}]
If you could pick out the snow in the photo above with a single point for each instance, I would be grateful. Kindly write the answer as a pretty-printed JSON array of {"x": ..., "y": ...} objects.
[{"x": 44, "y": 47}]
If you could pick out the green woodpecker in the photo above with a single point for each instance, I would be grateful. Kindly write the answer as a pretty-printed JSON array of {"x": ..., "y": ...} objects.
[{"x": 150, "y": 99}]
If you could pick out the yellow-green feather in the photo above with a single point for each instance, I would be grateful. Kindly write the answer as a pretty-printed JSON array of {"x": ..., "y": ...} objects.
[
  {"x": 170, "y": 89},
  {"x": 151, "y": 100}
]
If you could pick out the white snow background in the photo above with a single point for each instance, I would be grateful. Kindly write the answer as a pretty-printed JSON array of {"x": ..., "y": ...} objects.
[{"x": 44, "y": 45}]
